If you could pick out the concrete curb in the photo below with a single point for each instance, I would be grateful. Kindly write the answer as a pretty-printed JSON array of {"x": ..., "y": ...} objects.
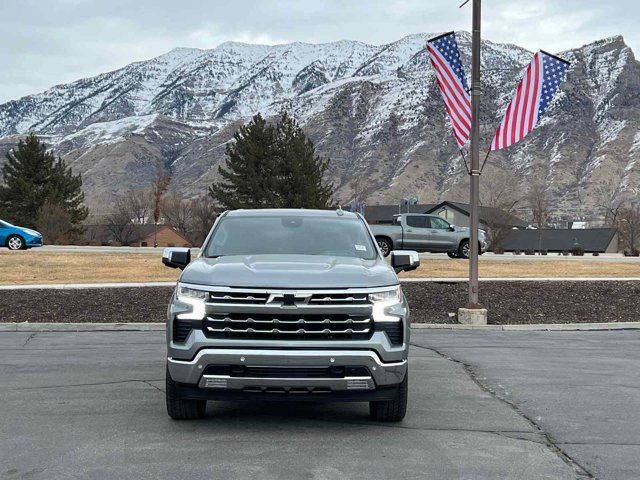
[
  {"x": 540, "y": 327},
  {"x": 154, "y": 327}
]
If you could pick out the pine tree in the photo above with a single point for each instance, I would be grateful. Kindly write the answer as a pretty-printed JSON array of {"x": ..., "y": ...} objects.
[
  {"x": 300, "y": 171},
  {"x": 247, "y": 178},
  {"x": 33, "y": 176},
  {"x": 272, "y": 166}
]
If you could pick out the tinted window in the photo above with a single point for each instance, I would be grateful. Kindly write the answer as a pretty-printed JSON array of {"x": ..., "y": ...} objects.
[
  {"x": 293, "y": 235},
  {"x": 416, "y": 221},
  {"x": 439, "y": 223}
]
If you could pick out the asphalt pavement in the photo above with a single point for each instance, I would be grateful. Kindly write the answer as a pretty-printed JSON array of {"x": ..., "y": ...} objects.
[
  {"x": 581, "y": 388},
  {"x": 91, "y": 405}
]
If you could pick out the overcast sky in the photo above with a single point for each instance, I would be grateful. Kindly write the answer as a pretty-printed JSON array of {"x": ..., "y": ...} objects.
[{"x": 48, "y": 42}]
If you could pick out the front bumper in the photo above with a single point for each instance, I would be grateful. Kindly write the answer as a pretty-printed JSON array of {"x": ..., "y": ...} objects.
[
  {"x": 33, "y": 242},
  {"x": 192, "y": 373}
]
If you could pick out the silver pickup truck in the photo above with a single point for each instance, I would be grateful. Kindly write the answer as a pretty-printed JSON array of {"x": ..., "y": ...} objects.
[
  {"x": 288, "y": 305},
  {"x": 426, "y": 233}
]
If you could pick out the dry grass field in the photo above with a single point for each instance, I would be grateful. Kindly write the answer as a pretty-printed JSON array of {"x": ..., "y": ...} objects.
[{"x": 48, "y": 267}]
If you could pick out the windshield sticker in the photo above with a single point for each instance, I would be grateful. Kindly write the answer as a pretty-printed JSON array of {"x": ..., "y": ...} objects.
[{"x": 361, "y": 248}]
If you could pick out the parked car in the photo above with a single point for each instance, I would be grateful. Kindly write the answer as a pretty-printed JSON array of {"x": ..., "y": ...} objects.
[
  {"x": 289, "y": 305},
  {"x": 426, "y": 233},
  {"x": 18, "y": 238}
]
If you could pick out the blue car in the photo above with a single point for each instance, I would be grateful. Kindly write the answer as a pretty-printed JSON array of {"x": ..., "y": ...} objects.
[{"x": 18, "y": 238}]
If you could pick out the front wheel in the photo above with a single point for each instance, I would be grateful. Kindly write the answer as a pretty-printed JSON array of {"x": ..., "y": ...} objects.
[
  {"x": 392, "y": 410},
  {"x": 14, "y": 242},
  {"x": 180, "y": 409},
  {"x": 464, "y": 250},
  {"x": 452, "y": 254},
  {"x": 385, "y": 246}
]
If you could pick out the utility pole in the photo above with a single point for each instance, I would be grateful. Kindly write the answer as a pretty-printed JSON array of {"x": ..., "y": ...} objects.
[{"x": 474, "y": 313}]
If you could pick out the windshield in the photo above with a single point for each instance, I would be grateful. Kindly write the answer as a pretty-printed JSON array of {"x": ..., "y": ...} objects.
[{"x": 293, "y": 235}]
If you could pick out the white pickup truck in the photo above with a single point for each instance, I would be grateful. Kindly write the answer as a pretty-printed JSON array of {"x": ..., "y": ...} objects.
[{"x": 426, "y": 233}]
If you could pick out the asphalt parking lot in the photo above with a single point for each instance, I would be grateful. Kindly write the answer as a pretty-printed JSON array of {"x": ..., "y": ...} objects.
[{"x": 527, "y": 405}]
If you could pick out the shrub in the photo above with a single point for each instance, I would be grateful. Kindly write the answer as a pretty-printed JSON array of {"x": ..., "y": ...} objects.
[
  {"x": 517, "y": 252},
  {"x": 498, "y": 250},
  {"x": 529, "y": 251},
  {"x": 543, "y": 251},
  {"x": 596, "y": 254},
  {"x": 577, "y": 250}
]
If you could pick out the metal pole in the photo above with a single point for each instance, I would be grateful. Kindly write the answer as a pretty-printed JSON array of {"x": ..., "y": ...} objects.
[{"x": 475, "y": 154}]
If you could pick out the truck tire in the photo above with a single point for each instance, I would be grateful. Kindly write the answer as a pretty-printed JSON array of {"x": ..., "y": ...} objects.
[
  {"x": 180, "y": 409},
  {"x": 385, "y": 245},
  {"x": 392, "y": 410},
  {"x": 464, "y": 249},
  {"x": 453, "y": 254}
]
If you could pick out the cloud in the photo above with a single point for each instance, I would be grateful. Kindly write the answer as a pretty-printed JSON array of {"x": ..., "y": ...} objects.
[{"x": 59, "y": 41}]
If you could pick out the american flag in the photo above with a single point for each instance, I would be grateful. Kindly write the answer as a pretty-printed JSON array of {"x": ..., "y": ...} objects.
[
  {"x": 445, "y": 58},
  {"x": 534, "y": 93}
]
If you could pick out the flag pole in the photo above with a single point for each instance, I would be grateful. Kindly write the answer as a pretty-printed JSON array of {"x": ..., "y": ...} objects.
[{"x": 475, "y": 155}]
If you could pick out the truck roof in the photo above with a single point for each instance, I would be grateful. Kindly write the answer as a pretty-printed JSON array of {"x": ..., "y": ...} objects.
[{"x": 291, "y": 212}]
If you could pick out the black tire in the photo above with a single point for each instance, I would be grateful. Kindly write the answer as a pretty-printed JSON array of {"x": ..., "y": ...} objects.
[
  {"x": 385, "y": 246},
  {"x": 452, "y": 254},
  {"x": 16, "y": 242},
  {"x": 392, "y": 410},
  {"x": 463, "y": 250},
  {"x": 180, "y": 409}
]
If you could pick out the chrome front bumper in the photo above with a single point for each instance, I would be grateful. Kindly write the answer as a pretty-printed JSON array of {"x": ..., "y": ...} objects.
[{"x": 192, "y": 372}]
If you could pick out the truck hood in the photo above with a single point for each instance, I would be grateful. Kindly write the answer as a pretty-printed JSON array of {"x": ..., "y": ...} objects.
[{"x": 289, "y": 271}]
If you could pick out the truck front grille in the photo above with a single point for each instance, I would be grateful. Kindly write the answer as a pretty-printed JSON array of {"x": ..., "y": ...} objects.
[
  {"x": 257, "y": 314},
  {"x": 292, "y": 326}
]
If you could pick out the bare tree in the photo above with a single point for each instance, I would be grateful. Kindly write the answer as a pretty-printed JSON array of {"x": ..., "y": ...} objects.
[
  {"x": 609, "y": 201},
  {"x": 203, "y": 214},
  {"x": 158, "y": 189},
  {"x": 176, "y": 212},
  {"x": 55, "y": 224},
  {"x": 628, "y": 224},
  {"x": 538, "y": 205},
  {"x": 502, "y": 201},
  {"x": 119, "y": 222},
  {"x": 140, "y": 204}
]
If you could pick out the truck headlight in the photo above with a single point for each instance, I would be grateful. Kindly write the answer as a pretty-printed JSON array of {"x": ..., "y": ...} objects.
[
  {"x": 187, "y": 293},
  {"x": 392, "y": 295},
  {"x": 193, "y": 297}
]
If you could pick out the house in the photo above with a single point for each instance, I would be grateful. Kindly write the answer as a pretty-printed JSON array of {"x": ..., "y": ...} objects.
[
  {"x": 459, "y": 213},
  {"x": 135, "y": 235},
  {"x": 602, "y": 240}
]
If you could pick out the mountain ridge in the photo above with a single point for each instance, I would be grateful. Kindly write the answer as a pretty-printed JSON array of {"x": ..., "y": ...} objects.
[{"x": 374, "y": 110}]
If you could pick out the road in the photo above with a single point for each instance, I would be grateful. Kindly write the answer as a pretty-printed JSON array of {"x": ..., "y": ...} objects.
[{"x": 91, "y": 405}]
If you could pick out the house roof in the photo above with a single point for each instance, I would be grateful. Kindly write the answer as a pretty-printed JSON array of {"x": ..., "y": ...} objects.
[
  {"x": 558, "y": 240},
  {"x": 385, "y": 213},
  {"x": 487, "y": 214}
]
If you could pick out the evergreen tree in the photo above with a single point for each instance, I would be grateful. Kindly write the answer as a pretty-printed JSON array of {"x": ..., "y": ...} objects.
[
  {"x": 300, "y": 172},
  {"x": 33, "y": 176},
  {"x": 272, "y": 166},
  {"x": 247, "y": 178}
]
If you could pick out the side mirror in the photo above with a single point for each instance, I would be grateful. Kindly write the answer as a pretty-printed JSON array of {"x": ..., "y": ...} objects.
[
  {"x": 176, "y": 257},
  {"x": 404, "y": 260},
  {"x": 452, "y": 228}
]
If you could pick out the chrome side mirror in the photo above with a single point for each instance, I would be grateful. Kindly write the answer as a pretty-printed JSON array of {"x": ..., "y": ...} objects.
[
  {"x": 404, "y": 260},
  {"x": 176, "y": 257}
]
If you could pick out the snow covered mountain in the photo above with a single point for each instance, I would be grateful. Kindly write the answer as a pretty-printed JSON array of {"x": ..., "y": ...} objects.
[{"x": 373, "y": 110}]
